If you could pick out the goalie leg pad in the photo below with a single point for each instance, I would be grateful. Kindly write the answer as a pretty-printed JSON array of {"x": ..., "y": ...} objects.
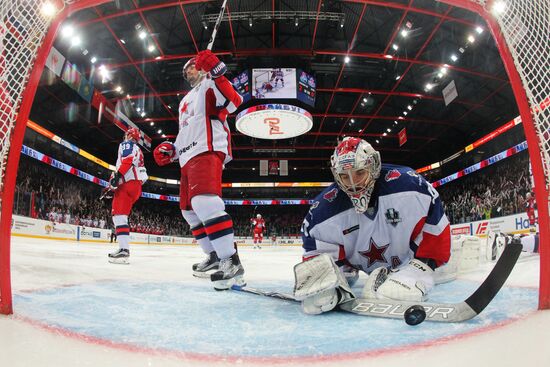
[{"x": 320, "y": 284}]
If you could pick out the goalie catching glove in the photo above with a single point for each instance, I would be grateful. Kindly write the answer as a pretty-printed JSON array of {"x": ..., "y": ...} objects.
[
  {"x": 320, "y": 285},
  {"x": 210, "y": 63},
  {"x": 411, "y": 282},
  {"x": 165, "y": 153}
]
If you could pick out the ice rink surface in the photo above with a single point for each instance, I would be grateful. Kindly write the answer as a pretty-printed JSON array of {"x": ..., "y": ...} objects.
[{"x": 73, "y": 308}]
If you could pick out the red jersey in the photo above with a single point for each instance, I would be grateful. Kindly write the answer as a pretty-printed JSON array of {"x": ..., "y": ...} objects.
[{"x": 258, "y": 224}]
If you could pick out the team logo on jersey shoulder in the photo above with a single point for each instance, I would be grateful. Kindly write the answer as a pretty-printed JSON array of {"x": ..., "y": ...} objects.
[
  {"x": 331, "y": 195},
  {"x": 314, "y": 205},
  {"x": 392, "y": 217},
  {"x": 392, "y": 175}
]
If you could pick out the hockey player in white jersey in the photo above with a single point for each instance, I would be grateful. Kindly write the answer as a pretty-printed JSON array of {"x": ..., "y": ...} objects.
[
  {"x": 277, "y": 75},
  {"x": 385, "y": 220},
  {"x": 203, "y": 147},
  {"x": 126, "y": 184}
]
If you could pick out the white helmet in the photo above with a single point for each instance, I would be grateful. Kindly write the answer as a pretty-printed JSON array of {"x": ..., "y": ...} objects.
[
  {"x": 258, "y": 216},
  {"x": 356, "y": 167},
  {"x": 191, "y": 62}
]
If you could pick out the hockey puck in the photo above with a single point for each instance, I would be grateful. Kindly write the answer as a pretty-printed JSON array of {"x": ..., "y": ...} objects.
[{"x": 415, "y": 315}]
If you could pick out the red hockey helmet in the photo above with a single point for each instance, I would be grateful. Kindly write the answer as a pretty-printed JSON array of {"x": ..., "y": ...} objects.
[{"x": 132, "y": 133}]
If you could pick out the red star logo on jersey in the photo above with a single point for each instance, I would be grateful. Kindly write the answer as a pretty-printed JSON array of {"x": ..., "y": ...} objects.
[
  {"x": 375, "y": 253},
  {"x": 184, "y": 107}
]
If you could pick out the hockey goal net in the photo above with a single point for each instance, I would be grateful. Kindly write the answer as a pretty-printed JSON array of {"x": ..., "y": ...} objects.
[{"x": 520, "y": 28}]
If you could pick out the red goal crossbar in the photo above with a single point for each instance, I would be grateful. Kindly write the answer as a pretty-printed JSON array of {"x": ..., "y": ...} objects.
[{"x": 520, "y": 30}]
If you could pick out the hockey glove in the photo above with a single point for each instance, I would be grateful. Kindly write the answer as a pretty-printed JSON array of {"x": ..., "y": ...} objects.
[
  {"x": 411, "y": 282},
  {"x": 165, "y": 153},
  {"x": 115, "y": 178},
  {"x": 210, "y": 63}
]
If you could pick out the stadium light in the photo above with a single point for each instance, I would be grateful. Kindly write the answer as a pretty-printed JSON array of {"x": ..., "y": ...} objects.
[
  {"x": 479, "y": 30},
  {"x": 151, "y": 48},
  {"x": 454, "y": 57},
  {"x": 395, "y": 47},
  {"x": 499, "y": 7},
  {"x": 67, "y": 31},
  {"x": 48, "y": 9},
  {"x": 346, "y": 59},
  {"x": 93, "y": 59},
  {"x": 404, "y": 33},
  {"x": 75, "y": 41},
  {"x": 471, "y": 38},
  {"x": 142, "y": 35}
]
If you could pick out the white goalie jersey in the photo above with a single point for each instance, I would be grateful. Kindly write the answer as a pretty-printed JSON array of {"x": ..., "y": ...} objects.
[{"x": 405, "y": 219}]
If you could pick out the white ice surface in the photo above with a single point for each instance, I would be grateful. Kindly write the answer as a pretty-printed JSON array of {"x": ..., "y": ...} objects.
[{"x": 42, "y": 264}]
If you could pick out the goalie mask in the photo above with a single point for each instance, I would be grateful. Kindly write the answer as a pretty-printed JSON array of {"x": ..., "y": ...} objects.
[{"x": 356, "y": 167}]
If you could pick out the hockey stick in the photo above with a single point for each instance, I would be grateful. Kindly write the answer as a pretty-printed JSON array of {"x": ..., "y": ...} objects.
[
  {"x": 107, "y": 193},
  {"x": 442, "y": 312},
  {"x": 216, "y": 26}
]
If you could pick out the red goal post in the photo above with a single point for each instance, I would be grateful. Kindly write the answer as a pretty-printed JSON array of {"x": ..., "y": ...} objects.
[{"x": 520, "y": 29}]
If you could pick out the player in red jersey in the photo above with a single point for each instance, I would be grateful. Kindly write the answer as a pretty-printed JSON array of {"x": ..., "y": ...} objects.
[{"x": 258, "y": 227}]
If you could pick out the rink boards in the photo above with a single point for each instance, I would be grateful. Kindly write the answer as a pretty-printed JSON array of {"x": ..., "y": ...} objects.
[{"x": 37, "y": 228}]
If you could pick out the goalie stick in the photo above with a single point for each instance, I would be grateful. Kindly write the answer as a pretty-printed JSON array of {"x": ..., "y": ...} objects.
[{"x": 441, "y": 312}]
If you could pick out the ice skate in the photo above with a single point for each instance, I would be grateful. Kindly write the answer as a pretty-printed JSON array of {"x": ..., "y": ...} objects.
[
  {"x": 122, "y": 256},
  {"x": 206, "y": 267},
  {"x": 230, "y": 273}
]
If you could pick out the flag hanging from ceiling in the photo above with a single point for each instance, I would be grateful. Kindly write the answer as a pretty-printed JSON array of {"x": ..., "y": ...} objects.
[{"x": 402, "y": 136}]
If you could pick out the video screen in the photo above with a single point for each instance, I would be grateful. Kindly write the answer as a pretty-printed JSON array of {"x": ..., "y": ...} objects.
[
  {"x": 242, "y": 85},
  {"x": 274, "y": 83},
  {"x": 306, "y": 88}
]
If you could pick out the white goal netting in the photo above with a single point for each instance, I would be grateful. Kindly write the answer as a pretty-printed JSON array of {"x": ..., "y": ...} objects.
[
  {"x": 22, "y": 29},
  {"x": 525, "y": 25}
]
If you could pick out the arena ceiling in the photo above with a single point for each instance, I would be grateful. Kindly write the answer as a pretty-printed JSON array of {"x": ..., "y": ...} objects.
[{"x": 400, "y": 58}]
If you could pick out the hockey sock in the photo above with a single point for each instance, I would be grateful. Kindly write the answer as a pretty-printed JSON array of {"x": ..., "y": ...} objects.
[
  {"x": 122, "y": 231},
  {"x": 210, "y": 209},
  {"x": 197, "y": 229},
  {"x": 220, "y": 233}
]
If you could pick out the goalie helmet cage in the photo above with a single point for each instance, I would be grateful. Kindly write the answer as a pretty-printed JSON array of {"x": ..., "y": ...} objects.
[{"x": 520, "y": 29}]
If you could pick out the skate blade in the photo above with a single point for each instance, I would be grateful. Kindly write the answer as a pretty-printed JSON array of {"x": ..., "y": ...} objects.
[
  {"x": 204, "y": 274},
  {"x": 119, "y": 261},
  {"x": 225, "y": 284}
]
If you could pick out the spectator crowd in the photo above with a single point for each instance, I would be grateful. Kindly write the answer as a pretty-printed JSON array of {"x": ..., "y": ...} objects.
[
  {"x": 47, "y": 193},
  {"x": 495, "y": 191}
]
